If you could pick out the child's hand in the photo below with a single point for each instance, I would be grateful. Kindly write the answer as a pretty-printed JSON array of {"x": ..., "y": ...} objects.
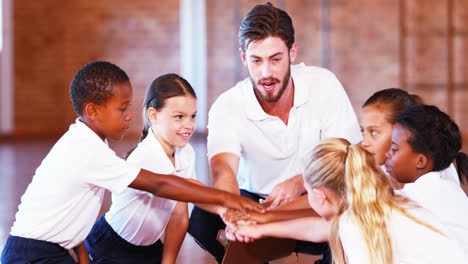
[
  {"x": 234, "y": 215},
  {"x": 233, "y": 235},
  {"x": 249, "y": 230},
  {"x": 243, "y": 204}
]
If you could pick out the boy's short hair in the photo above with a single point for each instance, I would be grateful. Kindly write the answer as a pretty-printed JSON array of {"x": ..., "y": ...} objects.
[
  {"x": 95, "y": 83},
  {"x": 264, "y": 21}
]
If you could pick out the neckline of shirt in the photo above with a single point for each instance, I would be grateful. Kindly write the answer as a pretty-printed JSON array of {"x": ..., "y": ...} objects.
[{"x": 253, "y": 109}]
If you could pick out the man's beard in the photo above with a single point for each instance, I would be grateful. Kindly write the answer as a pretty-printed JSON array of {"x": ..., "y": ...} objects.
[{"x": 269, "y": 97}]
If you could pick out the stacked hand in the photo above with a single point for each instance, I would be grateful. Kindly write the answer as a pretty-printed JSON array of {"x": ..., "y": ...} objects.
[{"x": 241, "y": 226}]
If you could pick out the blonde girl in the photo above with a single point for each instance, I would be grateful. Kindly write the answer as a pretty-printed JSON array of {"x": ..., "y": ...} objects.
[{"x": 370, "y": 223}]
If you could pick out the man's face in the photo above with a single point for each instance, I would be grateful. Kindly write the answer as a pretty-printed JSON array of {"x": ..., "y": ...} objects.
[{"x": 269, "y": 64}]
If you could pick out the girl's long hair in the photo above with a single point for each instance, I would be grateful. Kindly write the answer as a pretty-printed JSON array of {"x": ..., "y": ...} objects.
[
  {"x": 365, "y": 191},
  {"x": 162, "y": 88},
  {"x": 392, "y": 101}
]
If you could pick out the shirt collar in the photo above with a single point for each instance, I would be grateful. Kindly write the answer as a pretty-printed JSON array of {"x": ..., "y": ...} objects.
[
  {"x": 81, "y": 126},
  {"x": 181, "y": 162},
  {"x": 253, "y": 109}
]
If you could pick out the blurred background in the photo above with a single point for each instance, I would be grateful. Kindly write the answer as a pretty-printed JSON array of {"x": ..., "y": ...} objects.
[{"x": 418, "y": 45}]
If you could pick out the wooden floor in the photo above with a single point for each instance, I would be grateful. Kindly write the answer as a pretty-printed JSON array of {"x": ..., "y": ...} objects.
[{"x": 20, "y": 158}]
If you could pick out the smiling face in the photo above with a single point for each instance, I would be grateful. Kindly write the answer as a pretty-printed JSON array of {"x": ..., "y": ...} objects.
[
  {"x": 403, "y": 164},
  {"x": 376, "y": 132},
  {"x": 174, "y": 124},
  {"x": 112, "y": 119},
  {"x": 269, "y": 64}
]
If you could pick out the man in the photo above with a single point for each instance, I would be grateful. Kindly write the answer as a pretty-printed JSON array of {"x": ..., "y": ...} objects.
[{"x": 259, "y": 130}]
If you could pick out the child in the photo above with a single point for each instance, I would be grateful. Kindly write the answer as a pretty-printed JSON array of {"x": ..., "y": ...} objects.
[
  {"x": 424, "y": 142},
  {"x": 130, "y": 232},
  {"x": 61, "y": 204},
  {"x": 369, "y": 222},
  {"x": 379, "y": 114}
]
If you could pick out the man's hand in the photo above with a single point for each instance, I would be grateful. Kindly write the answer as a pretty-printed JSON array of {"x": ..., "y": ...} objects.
[
  {"x": 286, "y": 191},
  {"x": 243, "y": 204}
]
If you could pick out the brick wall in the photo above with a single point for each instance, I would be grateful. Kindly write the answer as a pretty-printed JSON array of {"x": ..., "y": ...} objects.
[
  {"x": 54, "y": 38},
  {"x": 372, "y": 44}
]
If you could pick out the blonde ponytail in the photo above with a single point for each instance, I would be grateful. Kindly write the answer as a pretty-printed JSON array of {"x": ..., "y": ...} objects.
[
  {"x": 369, "y": 198},
  {"x": 365, "y": 192}
]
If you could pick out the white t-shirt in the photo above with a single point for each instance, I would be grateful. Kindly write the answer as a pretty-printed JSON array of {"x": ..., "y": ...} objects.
[
  {"x": 140, "y": 217},
  {"x": 450, "y": 174},
  {"x": 270, "y": 151},
  {"x": 412, "y": 243},
  {"x": 446, "y": 200},
  {"x": 63, "y": 200}
]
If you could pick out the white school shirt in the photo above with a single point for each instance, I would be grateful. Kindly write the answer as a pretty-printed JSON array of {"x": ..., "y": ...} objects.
[
  {"x": 271, "y": 152},
  {"x": 446, "y": 200},
  {"x": 140, "y": 217},
  {"x": 412, "y": 243},
  {"x": 450, "y": 174},
  {"x": 63, "y": 200}
]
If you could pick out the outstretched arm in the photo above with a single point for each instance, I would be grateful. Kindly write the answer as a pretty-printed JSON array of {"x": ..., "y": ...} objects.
[
  {"x": 314, "y": 229},
  {"x": 177, "y": 188}
]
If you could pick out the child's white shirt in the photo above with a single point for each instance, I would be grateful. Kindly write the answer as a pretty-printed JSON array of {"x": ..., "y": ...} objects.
[
  {"x": 446, "y": 200},
  {"x": 412, "y": 243},
  {"x": 63, "y": 200},
  {"x": 450, "y": 174},
  {"x": 140, "y": 217}
]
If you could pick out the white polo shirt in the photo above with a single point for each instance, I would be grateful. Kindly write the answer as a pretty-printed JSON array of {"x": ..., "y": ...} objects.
[
  {"x": 450, "y": 174},
  {"x": 63, "y": 200},
  {"x": 412, "y": 243},
  {"x": 140, "y": 217},
  {"x": 270, "y": 151},
  {"x": 446, "y": 200}
]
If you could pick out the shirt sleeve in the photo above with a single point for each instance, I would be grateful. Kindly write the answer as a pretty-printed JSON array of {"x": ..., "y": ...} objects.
[
  {"x": 353, "y": 243},
  {"x": 339, "y": 119},
  {"x": 222, "y": 130},
  {"x": 108, "y": 171}
]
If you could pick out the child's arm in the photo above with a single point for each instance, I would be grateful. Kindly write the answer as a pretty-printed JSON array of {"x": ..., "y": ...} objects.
[
  {"x": 82, "y": 254},
  {"x": 233, "y": 215},
  {"x": 175, "y": 233},
  {"x": 177, "y": 188},
  {"x": 314, "y": 229},
  {"x": 294, "y": 209}
]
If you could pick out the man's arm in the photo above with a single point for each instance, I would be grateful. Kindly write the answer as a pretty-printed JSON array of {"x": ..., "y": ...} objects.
[
  {"x": 224, "y": 168},
  {"x": 286, "y": 191}
]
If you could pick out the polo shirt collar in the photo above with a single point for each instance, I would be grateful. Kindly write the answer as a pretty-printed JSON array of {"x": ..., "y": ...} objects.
[
  {"x": 86, "y": 130},
  {"x": 253, "y": 109},
  {"x": 181, "y": 162}
]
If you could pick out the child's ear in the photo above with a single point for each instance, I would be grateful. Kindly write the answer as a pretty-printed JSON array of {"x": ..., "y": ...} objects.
[
  {"x": 90, "y": 110},
  {"x": 152, "y": 114},
  {"x": 320, "y": 193},
  {"x": 422, "y": 162}
]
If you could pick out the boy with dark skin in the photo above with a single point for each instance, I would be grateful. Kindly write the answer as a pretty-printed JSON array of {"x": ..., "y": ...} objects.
[{"x": 63, "y": 200}]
